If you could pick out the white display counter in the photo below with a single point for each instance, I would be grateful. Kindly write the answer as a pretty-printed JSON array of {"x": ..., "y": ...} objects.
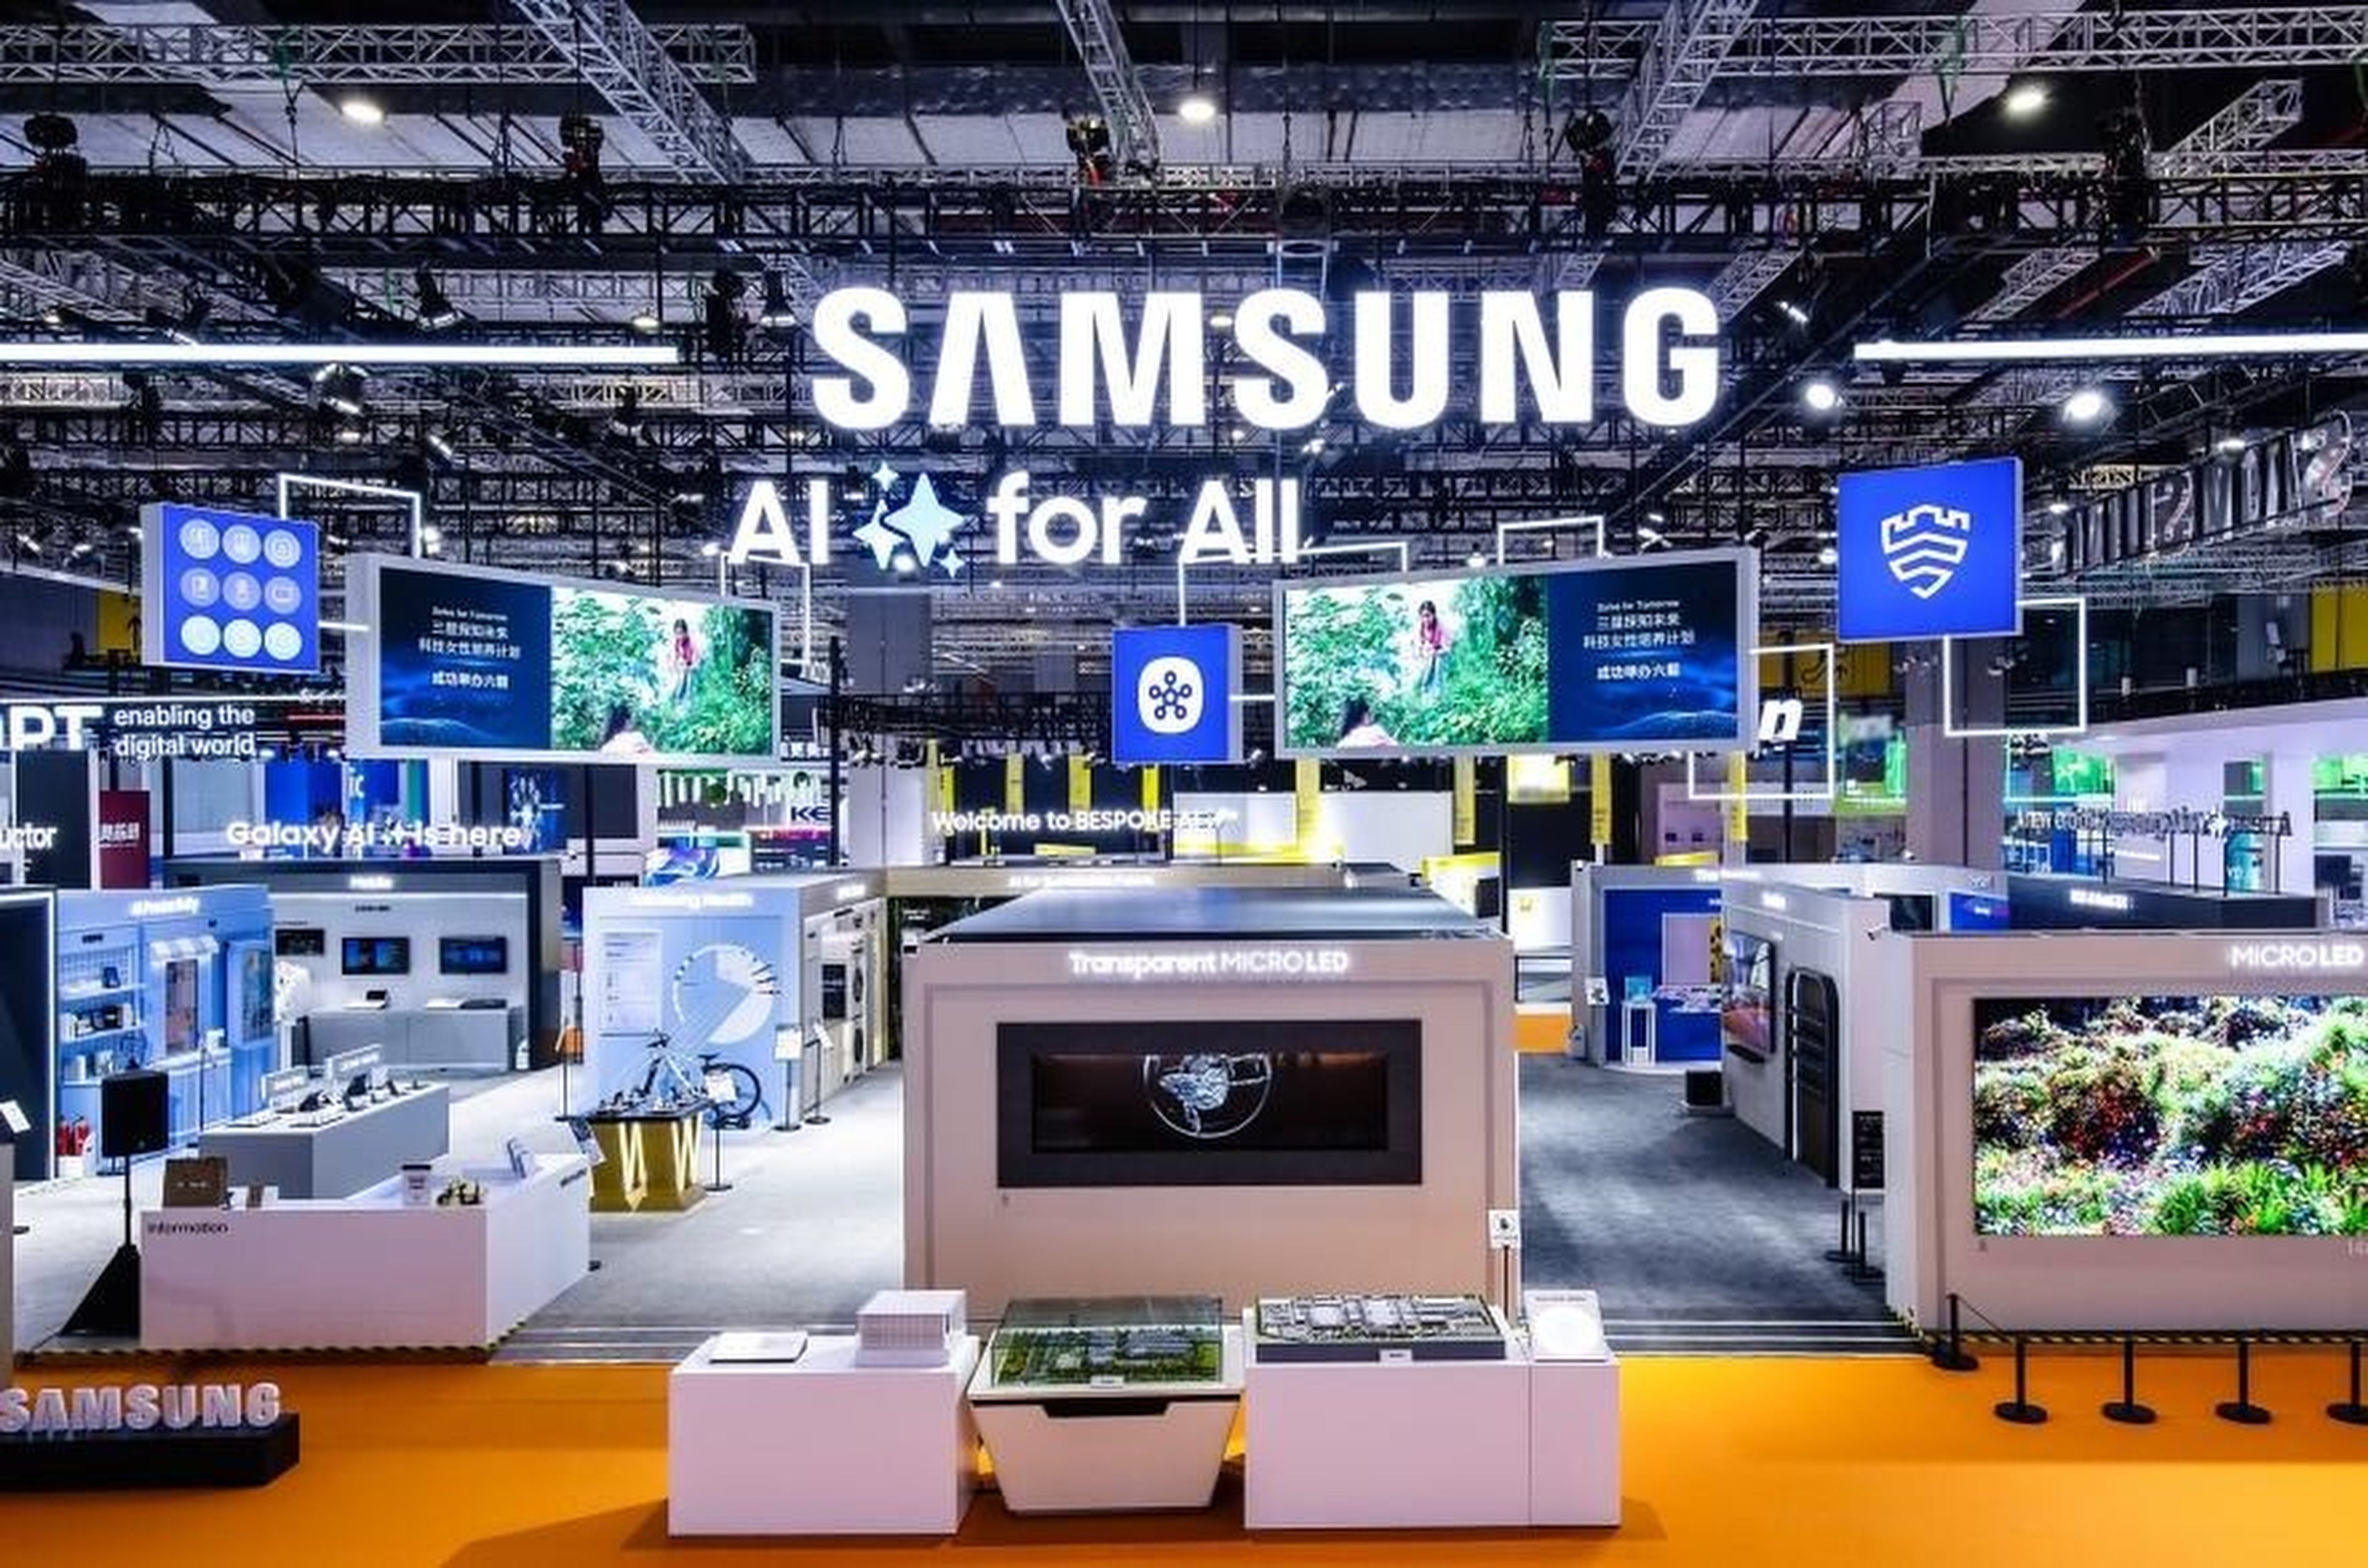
[
  {"x": 819, "y": 1446},
  {"x": 1107, "y": 1450},
  {"x": 354, "y": 1151},
  {"x": 366, "y": 1273},
  {"x": 1365, "y": 1444}
]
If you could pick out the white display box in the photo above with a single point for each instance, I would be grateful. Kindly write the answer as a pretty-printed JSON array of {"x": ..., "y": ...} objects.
[
  {"x": 366, "y": 1272},
  {"x": 1145, "y": 1449},
  {"x": 1370, "y": 1445},
  {"x": 819, "y": 1446}
]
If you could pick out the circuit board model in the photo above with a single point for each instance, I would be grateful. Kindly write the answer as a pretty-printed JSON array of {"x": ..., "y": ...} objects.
[{"x": 1374, "y": 1328}]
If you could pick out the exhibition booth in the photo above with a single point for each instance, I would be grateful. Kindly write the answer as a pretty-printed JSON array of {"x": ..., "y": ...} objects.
[
  {"x": 2126, "y": 1130},
  {"x": 439, "y": 962},
  {"x": 1223, "y": 1090}
]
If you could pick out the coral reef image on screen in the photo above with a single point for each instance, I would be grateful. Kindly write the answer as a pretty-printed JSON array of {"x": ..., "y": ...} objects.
[
  {"x": 1452, "y": 661},
  {"x": 631, "y": 675},
  {"x": 2170, "y": 1116}
]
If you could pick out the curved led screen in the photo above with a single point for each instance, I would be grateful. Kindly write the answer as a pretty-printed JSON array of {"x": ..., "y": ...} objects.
[{"x": 1610, "y": 656}]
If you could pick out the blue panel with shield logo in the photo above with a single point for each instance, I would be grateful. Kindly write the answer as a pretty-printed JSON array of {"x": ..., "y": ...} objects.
[
  {"x": 1929, "y": 552},
  {"x": 1172, "y": 694}
]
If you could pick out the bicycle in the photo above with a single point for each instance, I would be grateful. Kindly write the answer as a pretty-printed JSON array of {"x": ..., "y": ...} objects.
[{"x": 728, "y": 1094}]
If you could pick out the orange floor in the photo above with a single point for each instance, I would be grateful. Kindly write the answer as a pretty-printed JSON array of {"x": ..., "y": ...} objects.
[{"x": 1746, "y": 1463}]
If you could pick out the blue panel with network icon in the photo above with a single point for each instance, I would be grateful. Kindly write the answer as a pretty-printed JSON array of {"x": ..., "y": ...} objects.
[
  {"x": 1172, "y": 691},
  {"x": 230, "y": 591}
]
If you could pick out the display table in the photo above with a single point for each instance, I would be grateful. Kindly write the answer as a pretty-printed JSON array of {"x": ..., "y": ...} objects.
[
  {"x": 366, "y": 1273},
  {"x": 819, "y": 1446},
  {"x": 1100, "y": 1449},
  {"x": 1382, "y": 1444},
  {"x": 652, "y": 1162},
  {"x": 340, "y": 1157},
  {"x": 483, "y": 1038}
]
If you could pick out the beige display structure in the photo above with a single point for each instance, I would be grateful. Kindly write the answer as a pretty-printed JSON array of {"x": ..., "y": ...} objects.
[{"x": 1399, "y": 955}]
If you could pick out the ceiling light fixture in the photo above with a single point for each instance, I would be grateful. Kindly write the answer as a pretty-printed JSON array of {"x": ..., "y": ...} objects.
[
  {"x": 421, "y": 355},
  {"x": 361, "y": 110},
  {"x": 2040, "y": 350}
]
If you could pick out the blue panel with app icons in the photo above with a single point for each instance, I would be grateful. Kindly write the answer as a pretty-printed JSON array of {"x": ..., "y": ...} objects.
[
  {"x": 1172, "y": 691},
  {"x": 230, "y": 591}
]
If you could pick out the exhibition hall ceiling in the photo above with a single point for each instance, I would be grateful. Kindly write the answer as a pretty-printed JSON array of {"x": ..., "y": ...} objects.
[{"x": 703, "y": 175}]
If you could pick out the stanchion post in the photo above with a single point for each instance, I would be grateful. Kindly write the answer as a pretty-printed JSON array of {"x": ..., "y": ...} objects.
[
  {"x": 2351, "y": 1412},
  {"x": 2126, "y": 1409},
  {"x": 2020, "y": 1410},
  {"x": 2241, "y": 1409},
  {"x": 1951, "y": 1354}
]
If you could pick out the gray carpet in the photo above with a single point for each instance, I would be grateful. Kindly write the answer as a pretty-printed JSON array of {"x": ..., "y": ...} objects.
[{"x": 1696, "y": 1233}]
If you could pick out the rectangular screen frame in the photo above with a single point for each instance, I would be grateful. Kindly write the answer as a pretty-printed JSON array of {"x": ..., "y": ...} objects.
[
  {"x": 363, "y": 666},
  {"x": 1745, "y": 560},
  {"x": 1020, "y": 1167}
]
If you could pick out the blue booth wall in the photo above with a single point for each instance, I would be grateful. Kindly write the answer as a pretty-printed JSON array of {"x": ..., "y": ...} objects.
[
  {"x": 1631, "y": 948},
  {"x": 115, "y": 1006}
]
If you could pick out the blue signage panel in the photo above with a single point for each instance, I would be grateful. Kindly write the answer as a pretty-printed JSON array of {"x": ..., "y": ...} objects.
[
  {"x": 1172, "y": 691},
  {"x": 1929, "y": 552},
  {"x": 230, "y": 591}
]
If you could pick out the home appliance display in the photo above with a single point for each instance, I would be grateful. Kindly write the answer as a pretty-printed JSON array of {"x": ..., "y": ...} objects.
[
  {"x": 375, "y": 955},
  {"x": 1377, "y": 1327},
  {"x": 473, "y": 955},
  {"x": 2169, "y": 1116},
  {"x": 1598, "y": 655},
  {"x": 1162, "y": 1102},
  {"x": 1058, "y": 1343},
  {"x": 1746, "y": 1024},
  {"x": 495, "y": 663}
]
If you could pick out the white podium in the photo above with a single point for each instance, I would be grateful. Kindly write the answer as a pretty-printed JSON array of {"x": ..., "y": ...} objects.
[
  {"x": 819, "y": 1446},
  {"x": 1365, "y": 1444}
]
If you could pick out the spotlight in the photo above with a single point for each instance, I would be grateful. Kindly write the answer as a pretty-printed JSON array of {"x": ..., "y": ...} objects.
[
  {"x": 437, "y": 311},
  {"x": 1819, "y": 395},
  {"x": 361, "y": 110},
  {"x": 2086, "y": 406},
  {"x": 777, "y": 313},
  {"x": 1197, "y": 109},
  {"x": 2024, "y": 99}
]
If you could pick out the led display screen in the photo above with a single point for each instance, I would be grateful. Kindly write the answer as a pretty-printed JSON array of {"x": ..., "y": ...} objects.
[
  {"x": 375, "y": 955},
  {"x": 2170, "y": 1116},
  {"x": 1192, "y": 1104},
  {"x": 498, "y": 663},
  {"x": 1601, "y": 655},
  {"x": 1746, "y": 1023}
]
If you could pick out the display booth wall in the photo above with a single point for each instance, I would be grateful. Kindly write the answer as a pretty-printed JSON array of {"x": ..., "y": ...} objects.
[
  {"x": 2146, "y": 1121},
  {"x": 732, "y": 966},
  {"x": 145, "y": 980},
  {"x": 440, "y": 898},
  {"x": 1154, "y": 1229}
]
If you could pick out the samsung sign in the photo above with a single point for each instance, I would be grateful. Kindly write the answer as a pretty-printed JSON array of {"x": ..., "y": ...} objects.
[{"x": 1929, "y": 551}]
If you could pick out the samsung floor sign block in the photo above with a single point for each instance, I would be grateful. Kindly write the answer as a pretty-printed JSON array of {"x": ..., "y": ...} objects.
[{"x": 125, "y": 1436}]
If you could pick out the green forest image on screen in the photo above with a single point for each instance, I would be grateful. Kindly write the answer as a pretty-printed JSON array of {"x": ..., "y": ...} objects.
[
  {"x": 1448, "y": 661},
  {"x": 2170, "y": 1116},
  {"x": 633, "y": 675}
]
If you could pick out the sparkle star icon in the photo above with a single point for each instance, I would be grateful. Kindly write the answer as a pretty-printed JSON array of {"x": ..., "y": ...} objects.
[{"x": 925, "y": 520}]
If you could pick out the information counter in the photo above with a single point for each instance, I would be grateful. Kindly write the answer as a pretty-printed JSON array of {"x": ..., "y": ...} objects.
[
  {"x": 366, "y": 1272},
  {"x": 331, "y": 1154},
  {"x": 485, "y": 1038}
]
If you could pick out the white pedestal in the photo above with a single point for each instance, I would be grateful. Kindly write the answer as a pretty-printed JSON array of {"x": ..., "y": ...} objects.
[
  {"x": 819, "y": 1446},
  {"x": 1367, "y": 1444},
  {"x": 365, "y": 1272},
  {"x": 1100, "y": 1451},
  {"x": 1575, "y": 1442}
]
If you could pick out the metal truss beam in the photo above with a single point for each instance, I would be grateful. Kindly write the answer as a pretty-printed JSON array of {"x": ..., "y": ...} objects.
[
  {"x": 1692, "y": 39},
  {"x": 216, "y": 54},
  {"x": 1101, "y": 49},
  {"x": 2238, "y": 37},
  {"x": 624, "y": 63}
]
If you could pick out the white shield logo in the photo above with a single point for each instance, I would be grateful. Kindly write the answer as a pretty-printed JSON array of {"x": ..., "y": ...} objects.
[
  {"x": 1924, "y": 546},
  {"x": 1169, "y": 694}
]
